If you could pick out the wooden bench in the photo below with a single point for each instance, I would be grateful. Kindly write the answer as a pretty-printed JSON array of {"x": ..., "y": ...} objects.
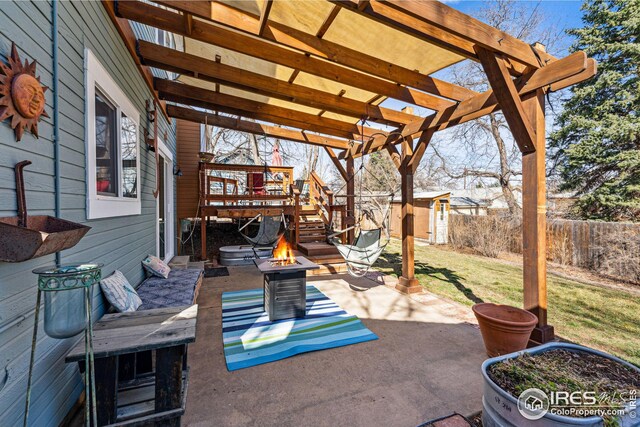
[
  {"x": 158, "y": 398},
  {"x": 136, "y": 375}
]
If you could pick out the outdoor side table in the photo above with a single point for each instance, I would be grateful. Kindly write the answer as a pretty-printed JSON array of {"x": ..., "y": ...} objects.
[{"x": 158, "y": 398}]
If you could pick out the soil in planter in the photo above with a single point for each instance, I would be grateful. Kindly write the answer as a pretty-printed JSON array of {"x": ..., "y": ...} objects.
[{"x": 562, "y": 370}]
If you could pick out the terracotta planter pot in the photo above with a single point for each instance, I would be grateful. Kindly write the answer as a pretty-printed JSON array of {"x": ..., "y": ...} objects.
[{"x": 504, "y": 329}]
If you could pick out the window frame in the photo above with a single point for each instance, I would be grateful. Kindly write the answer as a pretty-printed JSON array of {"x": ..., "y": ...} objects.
[{"x": 99, "y": 205}]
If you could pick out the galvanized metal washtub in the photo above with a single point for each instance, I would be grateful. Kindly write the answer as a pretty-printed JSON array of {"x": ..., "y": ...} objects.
[
  {"x": 500, "y": 409},
  {"x": 25, "y": 237}
]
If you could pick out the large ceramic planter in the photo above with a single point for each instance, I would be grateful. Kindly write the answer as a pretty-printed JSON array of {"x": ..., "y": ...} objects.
[
  {"x": 500, "y": 409},
  {"x": 504, "y": 328}
]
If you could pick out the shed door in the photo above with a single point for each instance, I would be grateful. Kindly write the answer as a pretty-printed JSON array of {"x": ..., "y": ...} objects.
[
  {"x": 421, "y": 226},
  {"x": 442, "y": 222}
]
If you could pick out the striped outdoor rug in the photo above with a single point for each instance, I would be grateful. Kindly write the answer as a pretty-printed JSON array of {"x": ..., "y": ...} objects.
[{"x": 250, "y": 339}]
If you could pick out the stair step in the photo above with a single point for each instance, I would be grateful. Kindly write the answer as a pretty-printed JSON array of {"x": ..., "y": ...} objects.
[
  {"x": 326, "y": 259},
  {"x": 316, "y": 228},
  {"x": 321, "y": 237},
  {"x": 317, "y": 248},
  {"x": 318, "y": 233},
  {"x": 312, "y": 226},
  {"x": 313, "y": 239},
  {"x": 328, "y": 269}
]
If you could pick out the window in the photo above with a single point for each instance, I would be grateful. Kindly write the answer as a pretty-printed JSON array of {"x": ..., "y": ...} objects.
[
  {"x": 443, "y": 209},
  {"x": 164, "y": 38},
  {"x": 112, "y": 146},
  {"x": 167, "y": 39},
  {"x": 129, "y": 155}
]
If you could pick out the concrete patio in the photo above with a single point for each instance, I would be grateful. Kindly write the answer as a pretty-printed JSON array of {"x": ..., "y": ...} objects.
[{"x": 425, "y": 364}]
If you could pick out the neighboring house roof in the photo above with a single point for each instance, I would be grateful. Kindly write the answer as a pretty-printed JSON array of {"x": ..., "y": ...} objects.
[
  {"x": 490, "y": 197},
  {"x": 425, "y": 195},
  {"x": 461, "y": 202}
]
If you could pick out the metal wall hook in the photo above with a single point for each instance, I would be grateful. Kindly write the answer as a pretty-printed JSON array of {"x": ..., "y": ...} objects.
[{"x": 20, "y": 193}]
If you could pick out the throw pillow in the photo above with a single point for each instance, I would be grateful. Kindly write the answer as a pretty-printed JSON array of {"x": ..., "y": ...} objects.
[
  {"x": 156, "y": 267},
  {"x": 120, "y": 293}
]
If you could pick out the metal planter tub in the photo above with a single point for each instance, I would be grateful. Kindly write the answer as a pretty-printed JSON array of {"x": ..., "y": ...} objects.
[
  {"x": 42, "y": 235},
  {"x": 25, "y": 237},
  {"x": 243, "y": 254},
  {"x": 500, "y": 409}
]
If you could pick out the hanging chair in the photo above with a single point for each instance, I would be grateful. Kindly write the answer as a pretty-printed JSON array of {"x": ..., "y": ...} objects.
[
  {"x": 269, "y": 232},
  {"x": 365, "y": 249},
  {"x": 363, "y": 253}
]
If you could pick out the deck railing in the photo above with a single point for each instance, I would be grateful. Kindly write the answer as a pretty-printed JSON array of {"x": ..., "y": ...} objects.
[
  {"x": 277, "y": 189},
  {"x": 321, "y": 197}
]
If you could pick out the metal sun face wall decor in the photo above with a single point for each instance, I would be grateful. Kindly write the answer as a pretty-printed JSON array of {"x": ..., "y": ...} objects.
[{"x": 21, "y": 94}]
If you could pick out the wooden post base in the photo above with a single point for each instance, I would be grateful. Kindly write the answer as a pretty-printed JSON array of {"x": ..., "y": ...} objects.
[
  {"x": 408, "y": 286},
  {"x": 541, "y": 335}
]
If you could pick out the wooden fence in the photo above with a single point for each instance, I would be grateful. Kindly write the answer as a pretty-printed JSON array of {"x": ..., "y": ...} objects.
[{"x": 608, "y": 248}]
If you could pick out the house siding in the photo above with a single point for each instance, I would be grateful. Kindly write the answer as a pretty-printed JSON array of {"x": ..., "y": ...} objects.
[{"x": 118, "y": 243}]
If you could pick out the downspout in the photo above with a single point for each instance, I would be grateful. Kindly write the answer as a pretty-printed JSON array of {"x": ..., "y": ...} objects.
[{"x": 56, "y": 121}]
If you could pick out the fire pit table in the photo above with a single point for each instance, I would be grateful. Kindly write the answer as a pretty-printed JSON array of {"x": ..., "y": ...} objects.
[{"x": 285, "y": 286}]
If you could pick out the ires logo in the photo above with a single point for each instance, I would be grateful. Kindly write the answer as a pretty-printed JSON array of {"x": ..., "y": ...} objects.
[{"x": 577, "y": 398}]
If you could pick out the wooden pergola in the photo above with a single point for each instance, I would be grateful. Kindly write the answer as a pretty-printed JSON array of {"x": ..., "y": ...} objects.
[{"x": 310, "y": 71}]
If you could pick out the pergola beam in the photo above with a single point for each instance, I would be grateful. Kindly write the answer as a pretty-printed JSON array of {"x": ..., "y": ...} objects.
[
  {"x": 450, "y": 29},
  {"x": 129, "y": 39},
  {"x": 419, "y": 150},
  {"x": 264, "y": 16},
  {"x": 192, "y": 65},
  {"x": 227, "y": 15},
  {"x": 219, "y": 36},
  {"x": 509, "y": 99},
  {"x": 336, "y": 162},
  {"x": 255, "y": 128},
  {"x": 485, "y": 103},
  {"x": 278, "y": 121},
  {"x": 396, "y": 158},
  {"x": 328, "y": 21},
  {"x": 170, "y": 90}
]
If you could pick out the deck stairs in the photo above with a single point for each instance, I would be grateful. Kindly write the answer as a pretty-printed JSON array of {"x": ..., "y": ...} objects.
[{"x": 314, "y": 246}]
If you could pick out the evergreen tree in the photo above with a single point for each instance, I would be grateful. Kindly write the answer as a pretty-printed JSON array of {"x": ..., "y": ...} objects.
[
  {"x": 381, "y": 174},
  {"x": 598, "y": 142}
]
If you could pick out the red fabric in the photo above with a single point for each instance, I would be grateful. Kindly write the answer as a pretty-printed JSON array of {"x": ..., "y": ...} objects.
[{"x": 258, "y": 183}]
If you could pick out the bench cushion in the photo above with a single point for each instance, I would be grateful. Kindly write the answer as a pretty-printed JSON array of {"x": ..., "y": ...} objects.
[{"x": 179, "y": 289}]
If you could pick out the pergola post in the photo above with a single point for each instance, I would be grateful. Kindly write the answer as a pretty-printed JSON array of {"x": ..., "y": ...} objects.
[
  {"x": 527, "y": 123},
  {"x": 351, "y": 201},
  {"x": 534, "y": 222},
  {"x": 407, "y": 283}
]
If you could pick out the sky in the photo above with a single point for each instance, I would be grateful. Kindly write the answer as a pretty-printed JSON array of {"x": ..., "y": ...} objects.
[{"x": 566, "y": 11}]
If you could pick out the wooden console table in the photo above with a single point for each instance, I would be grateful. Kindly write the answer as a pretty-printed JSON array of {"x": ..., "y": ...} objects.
[{"x": 157, "y": 397}]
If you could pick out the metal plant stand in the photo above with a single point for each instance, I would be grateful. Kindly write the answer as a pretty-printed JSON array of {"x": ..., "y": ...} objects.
[{"x": 69, "y": 278}]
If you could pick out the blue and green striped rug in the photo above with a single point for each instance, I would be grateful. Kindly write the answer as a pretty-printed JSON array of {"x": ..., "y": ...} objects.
[{"x": 250, "y": 339}]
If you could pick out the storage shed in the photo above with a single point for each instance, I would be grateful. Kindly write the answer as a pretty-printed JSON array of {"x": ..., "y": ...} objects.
[{"x": 431, "y": 216}]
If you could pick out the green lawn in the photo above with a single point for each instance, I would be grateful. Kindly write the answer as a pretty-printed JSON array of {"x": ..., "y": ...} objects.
[{"x": 602, "y": 318}]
